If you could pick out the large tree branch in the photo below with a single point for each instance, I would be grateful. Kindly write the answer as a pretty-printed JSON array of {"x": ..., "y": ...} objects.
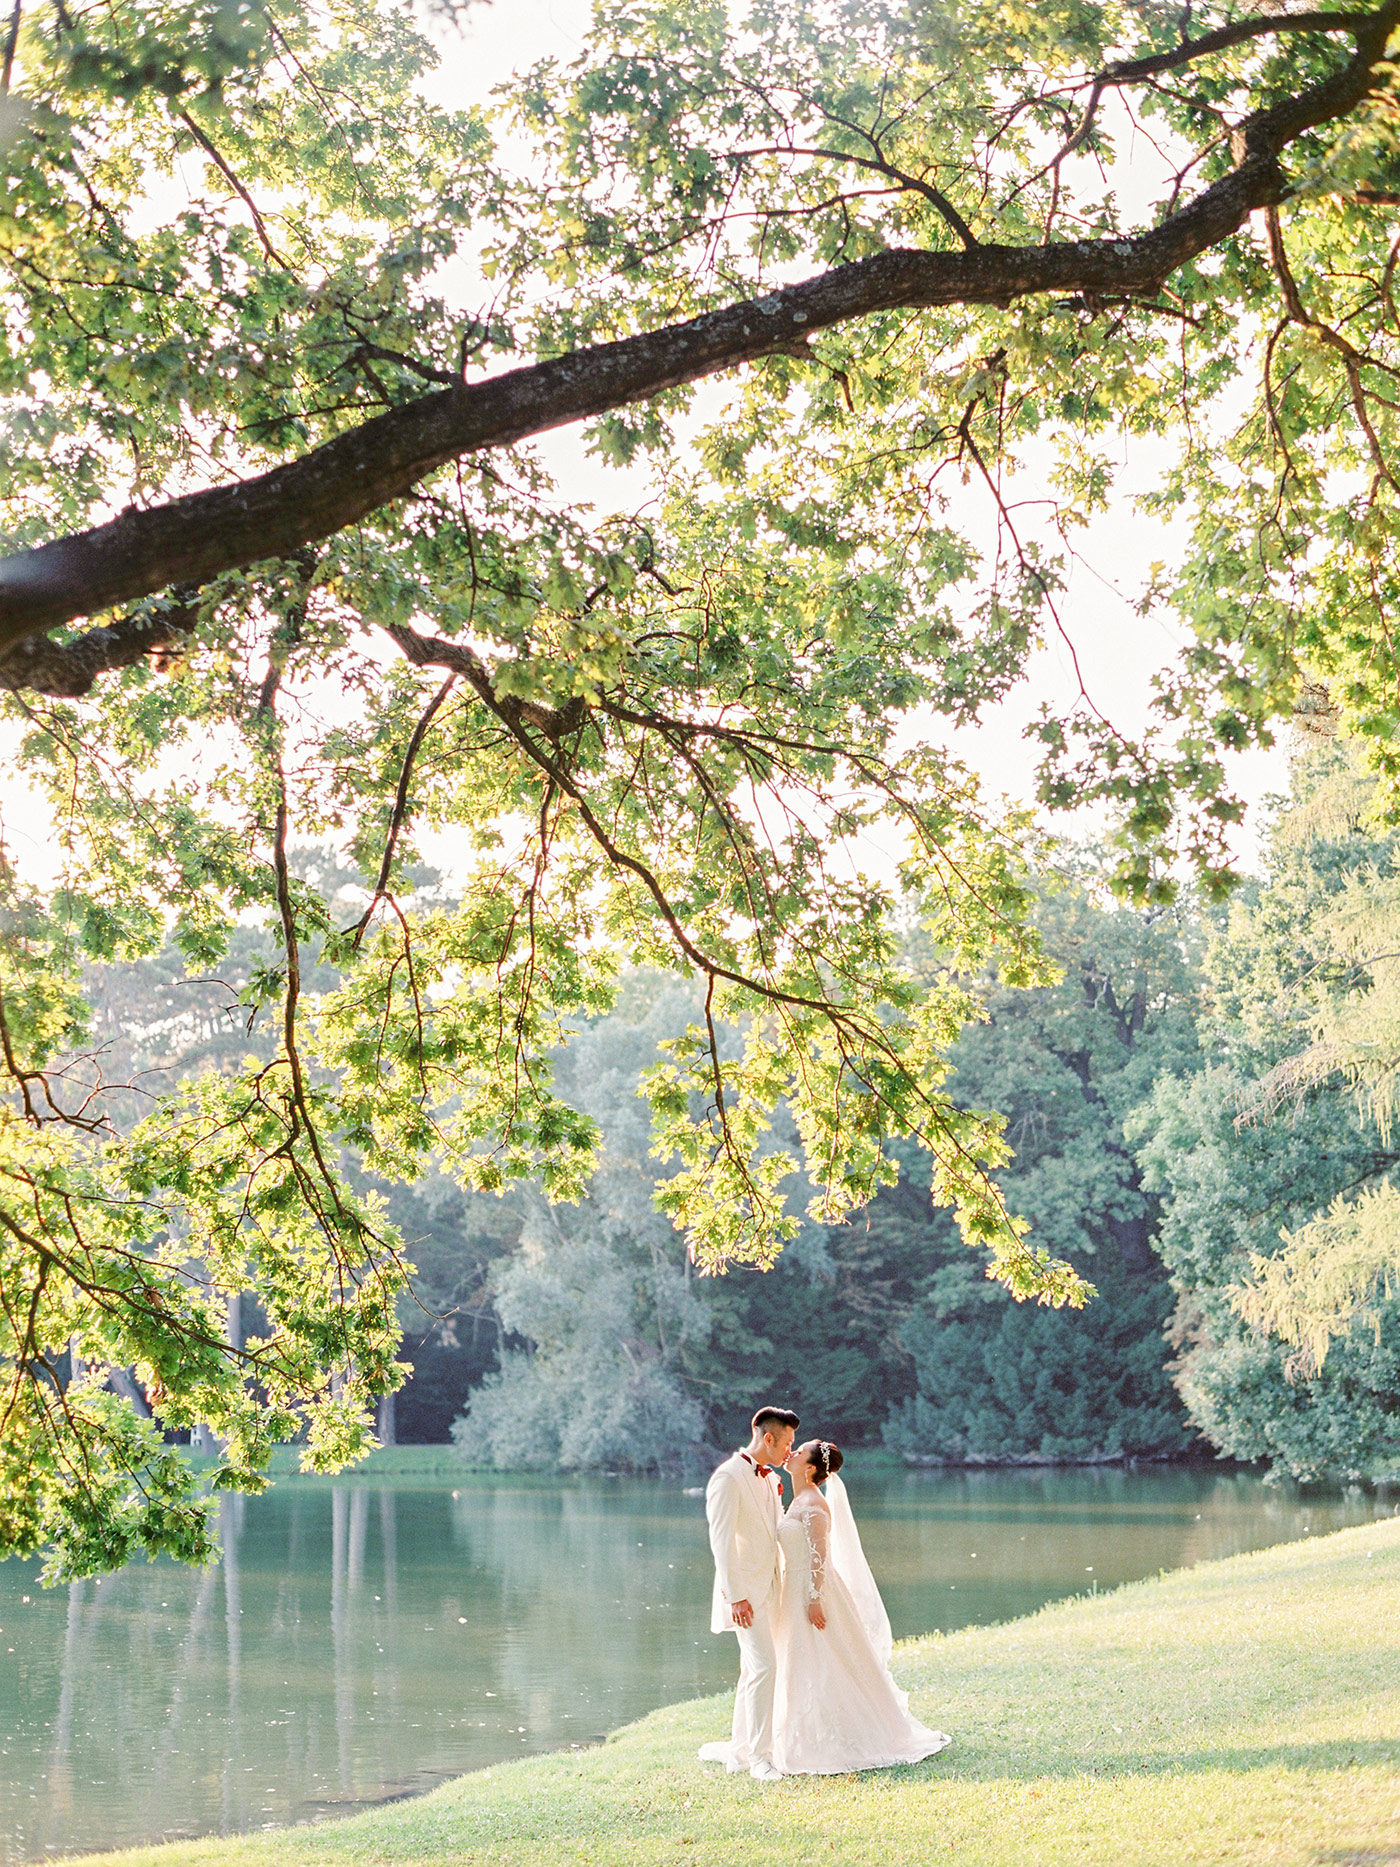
[
  {"x": 197, "y": 537},
  {"x": 156, "y": 632}
]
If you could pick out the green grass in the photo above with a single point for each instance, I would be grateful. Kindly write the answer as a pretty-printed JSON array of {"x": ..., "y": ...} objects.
[
  {"x": 387, "y": 1462},
  {"x": 1244, "y": 1712},
  {"x": 448, "y": 1462}
]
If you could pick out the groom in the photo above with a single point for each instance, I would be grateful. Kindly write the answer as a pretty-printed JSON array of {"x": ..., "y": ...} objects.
[{"x": 743, "y": 1502}]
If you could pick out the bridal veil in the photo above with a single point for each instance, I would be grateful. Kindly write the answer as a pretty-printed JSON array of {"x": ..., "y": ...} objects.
[{"x": 847, "y": 1557}]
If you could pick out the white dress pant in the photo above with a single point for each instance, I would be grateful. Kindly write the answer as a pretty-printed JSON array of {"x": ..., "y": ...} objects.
[{"x": 752, "y": 1738}]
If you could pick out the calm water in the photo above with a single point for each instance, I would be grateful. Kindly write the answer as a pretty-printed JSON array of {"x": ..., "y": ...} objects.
[{"x": 364, "y": 1641}]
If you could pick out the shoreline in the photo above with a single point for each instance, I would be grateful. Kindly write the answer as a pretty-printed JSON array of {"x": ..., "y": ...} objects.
[
  {"x": 443, "y": 1462},
  {"x": 1091, "y": 1461}
]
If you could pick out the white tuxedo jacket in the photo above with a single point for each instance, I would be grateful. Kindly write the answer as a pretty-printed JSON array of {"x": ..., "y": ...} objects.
[{"x": 742, "y": 1511}]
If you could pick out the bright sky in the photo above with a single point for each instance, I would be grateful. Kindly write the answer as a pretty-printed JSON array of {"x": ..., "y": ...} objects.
[{"x": 1117, "y": 650}]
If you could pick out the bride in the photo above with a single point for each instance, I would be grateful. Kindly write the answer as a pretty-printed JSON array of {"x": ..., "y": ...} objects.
[{"x": 837, "y": 1708}]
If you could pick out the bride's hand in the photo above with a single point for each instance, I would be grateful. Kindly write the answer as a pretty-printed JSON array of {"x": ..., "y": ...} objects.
[{"x": 816, "y": 1614}]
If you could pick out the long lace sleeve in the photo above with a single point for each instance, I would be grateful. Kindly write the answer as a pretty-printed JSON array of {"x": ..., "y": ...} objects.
[{"x": 817, "y": 1524}]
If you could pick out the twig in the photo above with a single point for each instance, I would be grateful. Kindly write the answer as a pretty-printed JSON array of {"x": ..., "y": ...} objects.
[
  {"x": 1352, "y": 358},
  {"x": 396, "y": 819},
  {"x": 238, "y": 188},
  {"x": 881, "y": 167}
]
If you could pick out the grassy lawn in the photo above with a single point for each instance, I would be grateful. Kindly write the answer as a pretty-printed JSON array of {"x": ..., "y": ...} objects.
[
  {"x": 1243, "y": 1712},
  {"x": 446, "y": 1462},
  {"x": 386, "y": 1462}
]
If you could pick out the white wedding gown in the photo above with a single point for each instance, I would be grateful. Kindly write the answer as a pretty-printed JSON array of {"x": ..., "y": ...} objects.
[{"x": 837, "y": 1708}]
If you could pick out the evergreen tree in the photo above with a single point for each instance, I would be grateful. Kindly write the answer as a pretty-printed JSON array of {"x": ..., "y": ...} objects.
[
  {"x": 1066, "y": 1062},
  {"x": 1269, "y": 1143}
]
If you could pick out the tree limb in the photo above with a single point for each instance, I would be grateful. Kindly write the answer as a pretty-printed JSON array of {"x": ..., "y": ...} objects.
[
  {"x": 336, "y": 485},
  {"x": 264, "y": 237},
  {"x": 1236, "y": 33},
  {"x": 400, "y": 810},
  {"x": 435, "y": 651},
  {"x": 1352, "y": 359},
  {"x": 68, "y": 670},
  {"x": 879, "y": 165}
]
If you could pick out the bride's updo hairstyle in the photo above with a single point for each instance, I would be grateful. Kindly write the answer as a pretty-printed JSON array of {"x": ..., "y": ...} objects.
[{"x": 824, "y": 1459}]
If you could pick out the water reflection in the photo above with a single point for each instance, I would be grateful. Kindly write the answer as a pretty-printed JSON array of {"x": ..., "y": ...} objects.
[{"x": 362, "y": 1641}]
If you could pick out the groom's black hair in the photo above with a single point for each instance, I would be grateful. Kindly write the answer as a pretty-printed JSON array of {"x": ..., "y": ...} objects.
[{"x": 774, "y": 1416}]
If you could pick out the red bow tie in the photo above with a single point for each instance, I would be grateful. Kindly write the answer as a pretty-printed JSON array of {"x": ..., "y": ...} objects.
[{"x": 763, "y": 1470}]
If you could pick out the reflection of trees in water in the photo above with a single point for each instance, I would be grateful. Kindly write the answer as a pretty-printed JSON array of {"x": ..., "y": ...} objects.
[
  {"x": 310, "y": 1567},
  {"x": 388, "y": 1675},
  {"x": 346, "y": 1572},
  {"x": 231, "y": 1509},
  {"x": 138, "y": 1725},
  {"x": 1239, "y": 1513},
  {"x": 167, "y": 1715},
  {"x": 186, "y": 1671},
  {"x": 59, "y": 1811},
  {"x": 598, "y": 1595}
]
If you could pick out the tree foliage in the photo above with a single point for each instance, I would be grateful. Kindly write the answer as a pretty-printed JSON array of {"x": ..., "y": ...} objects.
[
  {"x": 1334, "y": 1269},
  {"x": 1067, "y": 1063},
  {"x": 886, "y": 1325},
  {"x": 621, "y": 1356},
  {"x": 283, "y": 567},
  {"x": 1278, "y": 1183},
  {"x": 598, "y": 1299}
]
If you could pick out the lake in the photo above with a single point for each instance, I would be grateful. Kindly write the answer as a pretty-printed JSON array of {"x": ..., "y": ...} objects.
[{"x": 364, "y": 1640}]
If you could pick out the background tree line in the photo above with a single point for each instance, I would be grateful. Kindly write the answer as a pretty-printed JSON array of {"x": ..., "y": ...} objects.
[{"x": 1174, "y": 1119}]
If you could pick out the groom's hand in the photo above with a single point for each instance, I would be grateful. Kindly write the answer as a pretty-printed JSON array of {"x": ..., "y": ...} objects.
[{"x": 742, "y": 1612}]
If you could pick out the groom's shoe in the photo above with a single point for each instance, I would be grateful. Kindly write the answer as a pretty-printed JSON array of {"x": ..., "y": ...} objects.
[{"x": 765, "y": 1772}]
